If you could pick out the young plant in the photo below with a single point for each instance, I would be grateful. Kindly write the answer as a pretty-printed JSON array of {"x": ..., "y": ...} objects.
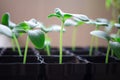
[
  {"x": 103, "y": 35},
  {"x": 42, "y": 27},
  {"x": 63, "y": 17},
  {"x": 36, "y": 36},
  {"x": 53, "y": 28},
  {"x": 98, "y": 23},
  {"x": 7, "y": 28},
  {"x": 74, "y": 22},
  {"x": 115, "y": 43}
]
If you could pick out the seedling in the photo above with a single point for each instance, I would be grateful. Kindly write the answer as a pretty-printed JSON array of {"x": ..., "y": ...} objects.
[
  {"x": 103, "y": 35},
  {"x": 53, "y": 28},
  {"x": 7, "y": 28},
  {"x": 63, "y": 17},
  {"x": 115, "y": 43},
  {"x": 36, "y": 36},
  {"x": 43, "y": 28},
  {"x": 98, "y": 23},
  {"x": 74, "y": 22}
]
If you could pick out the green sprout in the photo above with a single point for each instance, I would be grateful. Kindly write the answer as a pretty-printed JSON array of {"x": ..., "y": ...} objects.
[
  {"x": 63, "y": 17},
  {"x": 53, "y": 28},
  {"x": 103, "y": 35},
  {"x": 75, "y": 22},
  {"x": 115, "y": 43},
  {"x": 7, "y": 28},
  {"x": 36, "y": 36},
  {"x": 99, "y": 22}
]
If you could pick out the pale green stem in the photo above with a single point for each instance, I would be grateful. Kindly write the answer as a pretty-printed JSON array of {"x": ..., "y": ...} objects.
[
  {"x": 17, "y": 44},
  {"x": 13, "y": 45},
  {"x": 26, "y": 49},
  {"x": 96, "y": 47},
  {"x": 92, "y": 42},
  {"x": 61, "y": 40},
  {"x": 48, "y": 50},
  {"x": 91, "y": 46},
  {"x": 47, "y": 47},
  {"x": 74, "y": 38},
  {"x": 96, "y": 39},
  {"x": 107, "y": 54}
]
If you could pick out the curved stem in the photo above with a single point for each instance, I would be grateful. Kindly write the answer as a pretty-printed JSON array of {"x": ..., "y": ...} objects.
[
  {"x": 17, "y": 44},
  {"x": 26, "y": 49},
  {"x": 74, "y": 38},
  {"x": 107, "y": 54}
]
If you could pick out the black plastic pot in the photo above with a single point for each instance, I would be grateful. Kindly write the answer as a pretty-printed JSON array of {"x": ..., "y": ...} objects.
[
  {"x": 85, "y": 51},
  {"x": 102, "y": 71},
  {"x": 9, "y": 51},
  {"x": 54, "y": 51},
  {"x": 74, "y": 67},
  {"x": 12, "y": 68},
  {"x": 70, "y": 69}
]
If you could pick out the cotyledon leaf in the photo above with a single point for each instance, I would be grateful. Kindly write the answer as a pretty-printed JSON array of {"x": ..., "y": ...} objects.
[{"x": 37, "y": 37}]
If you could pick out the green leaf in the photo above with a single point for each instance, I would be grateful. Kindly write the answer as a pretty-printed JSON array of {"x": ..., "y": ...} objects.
[
  {"x": 70, "y": 22},
  {"x": 11, "y": 24},
  {"x": 56, "y": 28},
  {"x": 108, "y": 28},
  {"x": 5, "y": 19},
  {"x": 23, "y": 27},
  {"x": 37, "y": 37},
  {"x": 5, "y": 30},
  {"x": 33, "y": 23},
  {"x": 81, "y": 17},
  {"x": 52, "y": 28},
  {"x": 54, "y": 15},
  {"x": 115, "y": 46},
  {"x": 91, "y": 22},
  {"x": 100, "y": 34},
  {"x": 67, "y": 16},
  {"x": 74, "y": 22},
  {"x": 115, "y": 37},
  {"x": 59, "y": 12},
  {"x": 46, "y": 30},
  {"x": 101, "y": 23},
  {"x": 117, "y": 25},
  {"x": 79, "y": 22},
  {"x": 102, "y": 20}
]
